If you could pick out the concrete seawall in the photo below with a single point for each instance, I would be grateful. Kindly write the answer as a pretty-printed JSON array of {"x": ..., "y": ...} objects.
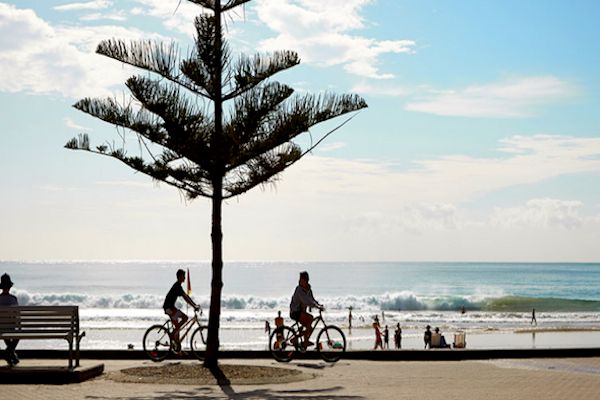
[{"x": 385, "y": 355}]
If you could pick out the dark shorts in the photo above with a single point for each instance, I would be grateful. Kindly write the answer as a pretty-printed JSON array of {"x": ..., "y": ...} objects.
[{"x": 295, "y": 315}]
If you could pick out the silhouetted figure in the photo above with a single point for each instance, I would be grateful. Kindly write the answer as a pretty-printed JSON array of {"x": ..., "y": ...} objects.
[
  {"x": 303, "y": 298},
  {"x": 377, "y": 328},
  {"x": 442, "y": 338},
  {"x": 350, "y": 319},
  {"x": 386, "y": 338},
  {"x": 177, "y": 316},
  {"x": 7, "y": 300},
  {"x": 268, "y": 328},
  {"x": 533, "y": 320},
  {"x": 398, "y": 337},
  {"x": 462, "y": 310},
  {"x": 427, "y": 336}
]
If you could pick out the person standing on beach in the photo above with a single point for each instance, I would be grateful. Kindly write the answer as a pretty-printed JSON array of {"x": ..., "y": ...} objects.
[
  {"x": 301, "y": 299},
  {"x": 533, "y": 320},
  {"x": 350, "y": 319},
  {"x": 377, "y": 328},
  {"x": 386, "y": 338},
  {"x": 398, "y": 337},
  {"x": 177, "y": 316},
  {"x": 427, "y": 336},
  {"x": 7, "y": 300}
]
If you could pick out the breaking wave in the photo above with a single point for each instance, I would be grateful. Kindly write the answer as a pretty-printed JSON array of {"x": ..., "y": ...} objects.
[{"x": 403, "y": 301}]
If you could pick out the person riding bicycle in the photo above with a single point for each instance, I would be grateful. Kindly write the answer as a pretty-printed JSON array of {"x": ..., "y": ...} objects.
[
  {"x": 177, "y": 316},
  {"x": 302, "y": 298}
]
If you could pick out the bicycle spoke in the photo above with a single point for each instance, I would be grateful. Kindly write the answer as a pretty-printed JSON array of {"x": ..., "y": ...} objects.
[
  {"x": 198, "y": 342},
  {"x": 283, "y": 344},
  {"x": 157, "y": 343},
  {"x": 331, "y": 343}
]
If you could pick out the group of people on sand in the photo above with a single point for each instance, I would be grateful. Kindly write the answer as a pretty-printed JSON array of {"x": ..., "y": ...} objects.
[
  {"x": 427, "y": 338},
  {"x": 382, "y": 339}
]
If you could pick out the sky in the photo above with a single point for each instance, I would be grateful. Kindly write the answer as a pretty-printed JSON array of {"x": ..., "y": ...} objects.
[{"x": 481, "y": 141}]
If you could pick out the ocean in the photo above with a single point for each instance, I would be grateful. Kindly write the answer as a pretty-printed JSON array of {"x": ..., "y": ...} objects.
[{"x": 118, "y": 300}]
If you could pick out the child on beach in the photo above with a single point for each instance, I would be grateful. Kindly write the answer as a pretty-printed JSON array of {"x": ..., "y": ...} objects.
[
  {"x": 301, "y": 299},
  {"x": 376, "y": 327},
  {"x": 177, "y": 316}
]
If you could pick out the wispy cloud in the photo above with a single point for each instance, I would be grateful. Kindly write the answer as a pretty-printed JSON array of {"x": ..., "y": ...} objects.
[
  {"x": 115, "y": 16},
  {"x": 509, "y": 99},
  {"x": 321, "y": 32},
  {"x": 543, "y": 213},
  {"x": 88, "y": 5},
  {"x": 387, "y": 89},
  {"x": 449, "y": 179},
  {"x": 71, "y": 124},
  {"x": 326, "y": 147},
  {"x": 413, "y": 218}
]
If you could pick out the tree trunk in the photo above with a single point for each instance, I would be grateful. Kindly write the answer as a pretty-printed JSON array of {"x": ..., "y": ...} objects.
[{"x": 212, "y": 345}]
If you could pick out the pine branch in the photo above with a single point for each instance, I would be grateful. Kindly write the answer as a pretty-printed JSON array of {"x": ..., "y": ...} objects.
[
  {"x": 262, "y": 169},
  {"x": 190, "y": 180},
  {"x": 248, "y": 72},
  {"x": 233, "y": 3},
  {"x": 152, "y": 56},
  {"x": 141, "y": 122}
]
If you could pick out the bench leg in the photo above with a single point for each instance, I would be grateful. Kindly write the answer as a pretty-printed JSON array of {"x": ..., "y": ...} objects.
[
  {"x": 77, "y": 352},
  {"x": 70, "y": 354}
]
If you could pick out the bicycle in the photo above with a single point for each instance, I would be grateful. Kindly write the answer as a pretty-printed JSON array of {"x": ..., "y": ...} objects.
[
  {"x": 286, "y": 340},
  {"x": 158, "y": 343}
]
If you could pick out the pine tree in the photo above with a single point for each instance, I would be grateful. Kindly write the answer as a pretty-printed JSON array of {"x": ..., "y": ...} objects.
[{"x": 210, "y": 124}]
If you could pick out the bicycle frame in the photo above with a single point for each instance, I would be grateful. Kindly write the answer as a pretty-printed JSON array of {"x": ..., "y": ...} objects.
[
  {"x": 299, "y": 328},
  {"x": 186, "y": 327}
]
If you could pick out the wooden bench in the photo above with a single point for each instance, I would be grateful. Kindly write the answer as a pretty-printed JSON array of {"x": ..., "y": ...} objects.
[{"x": 43, "y": 322}]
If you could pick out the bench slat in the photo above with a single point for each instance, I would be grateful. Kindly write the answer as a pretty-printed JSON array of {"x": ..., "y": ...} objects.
[{"x": 33, "y": 336}]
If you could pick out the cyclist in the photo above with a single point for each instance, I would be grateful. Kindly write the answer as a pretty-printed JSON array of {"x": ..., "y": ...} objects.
[
  {"x": 302, "y": 298},
  {"x": 177, "y": 316}
]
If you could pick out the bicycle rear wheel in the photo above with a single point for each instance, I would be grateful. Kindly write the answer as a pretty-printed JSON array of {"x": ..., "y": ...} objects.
[
  {"x": 282, "y": 344},
  {"x": 331, "y": 343},
  {"x": 198, "y": 342},
  {"x": 157, "y": 343}
]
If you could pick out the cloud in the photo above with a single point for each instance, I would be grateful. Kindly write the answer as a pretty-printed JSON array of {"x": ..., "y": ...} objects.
[
  {"x": 321, "y": 33},
  {"x": 544, "y": 213},
  {"x": 523, "y": 160},
  {"x": 71, "y": 124},
  {"x": 115, "y": 16},
  {"x": 413, "y": 218},
  {"x": 510, "y": 99},
  {"x": 326, "y": 147},
  {"x": 40, "y": 58},
  {"x": 90, "y": 5},
  {"x": 176, "y": 16},
  {"x": 381, "y": 90}
]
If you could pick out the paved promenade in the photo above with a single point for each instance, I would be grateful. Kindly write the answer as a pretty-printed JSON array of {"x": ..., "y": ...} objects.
[{"x": 354, "y": 379}]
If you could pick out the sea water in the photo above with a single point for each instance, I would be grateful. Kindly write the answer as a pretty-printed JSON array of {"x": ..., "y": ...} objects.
[{"x": 118, "y": 300}]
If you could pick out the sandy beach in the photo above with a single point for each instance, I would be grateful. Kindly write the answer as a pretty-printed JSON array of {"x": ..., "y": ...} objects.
[{"x": 496, "y": 379}]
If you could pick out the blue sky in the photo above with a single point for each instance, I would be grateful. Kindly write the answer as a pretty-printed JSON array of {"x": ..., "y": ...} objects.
[{"x": 481, "y": 140}]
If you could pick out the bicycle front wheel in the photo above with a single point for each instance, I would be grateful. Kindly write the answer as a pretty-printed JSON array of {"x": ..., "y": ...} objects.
[
  {"x": 198, "y": 342},
  {"x": 331, "y": 343},
  {"x": 157, "y": 343},
  {"x": 283, "y": 344}
]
